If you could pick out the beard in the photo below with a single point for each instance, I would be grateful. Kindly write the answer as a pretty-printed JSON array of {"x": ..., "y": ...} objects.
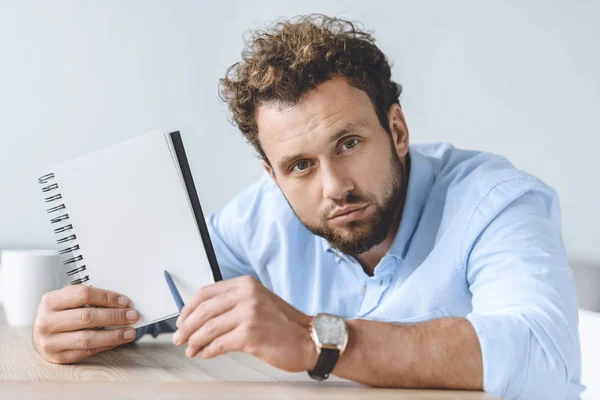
[{"x": 357, "y": 236}]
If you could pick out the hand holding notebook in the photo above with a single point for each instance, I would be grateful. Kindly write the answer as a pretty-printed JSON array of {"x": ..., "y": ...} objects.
[{"x": 127, "y": 213}]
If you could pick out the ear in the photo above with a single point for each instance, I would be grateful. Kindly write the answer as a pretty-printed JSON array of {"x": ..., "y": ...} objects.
[
  {"x": 270, "y": 171},
  {"x": 398, "y": 129}
]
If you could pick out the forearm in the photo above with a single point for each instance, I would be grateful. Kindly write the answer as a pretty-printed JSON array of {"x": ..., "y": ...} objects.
[{"x": 442, "y": 353}]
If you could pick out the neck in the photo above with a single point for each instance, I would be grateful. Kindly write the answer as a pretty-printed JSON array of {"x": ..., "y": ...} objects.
[{"x": 371, "y": 258}]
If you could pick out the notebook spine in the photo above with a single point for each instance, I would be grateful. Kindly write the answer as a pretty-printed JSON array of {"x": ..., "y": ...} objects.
[{"x": 60, "y": 219}]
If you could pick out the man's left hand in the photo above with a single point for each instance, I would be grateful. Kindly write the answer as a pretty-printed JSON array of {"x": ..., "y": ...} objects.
[{"x": 240, "y": 314}]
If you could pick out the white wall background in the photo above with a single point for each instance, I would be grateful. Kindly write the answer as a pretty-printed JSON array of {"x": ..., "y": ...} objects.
[{"x": 517, "y": 78}]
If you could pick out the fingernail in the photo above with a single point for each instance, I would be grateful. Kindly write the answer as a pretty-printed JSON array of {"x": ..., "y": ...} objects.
[
  {"x": 129, "y": 334},
  {"x": 132, "y": 314},
  {"x": 176, "y": 338},
  {"x": 123, "y": 301}
]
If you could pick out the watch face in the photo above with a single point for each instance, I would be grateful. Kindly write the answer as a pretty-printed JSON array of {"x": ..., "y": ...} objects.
[{"x": 330, "y": 330}]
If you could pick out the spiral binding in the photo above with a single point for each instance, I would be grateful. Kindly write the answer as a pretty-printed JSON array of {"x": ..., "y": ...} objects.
[{"x": 50, "y": 188}]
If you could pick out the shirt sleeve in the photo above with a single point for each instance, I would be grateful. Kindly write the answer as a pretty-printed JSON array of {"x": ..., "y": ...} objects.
[
  {"x": 524, "y": 301},
  {"x": 166, "y": 326},
  {"x": 227, "y": 235}
]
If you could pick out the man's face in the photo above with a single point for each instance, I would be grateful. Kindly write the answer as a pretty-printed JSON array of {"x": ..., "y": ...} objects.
[{"x": 339, "y": 169}]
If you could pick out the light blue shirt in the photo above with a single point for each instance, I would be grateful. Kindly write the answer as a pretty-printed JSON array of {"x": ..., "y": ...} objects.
[{"x": 478, "y": 239}]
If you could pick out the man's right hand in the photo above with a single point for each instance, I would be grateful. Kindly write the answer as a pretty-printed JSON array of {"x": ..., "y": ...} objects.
[{"x": 63, "y": 328}]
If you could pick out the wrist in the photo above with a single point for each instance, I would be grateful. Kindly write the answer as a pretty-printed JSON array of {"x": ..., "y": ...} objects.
[{"x": 309, "y": 348}]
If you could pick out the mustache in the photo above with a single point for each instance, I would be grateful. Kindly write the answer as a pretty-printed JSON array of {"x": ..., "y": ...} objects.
[{"x": 349, "y": 200}]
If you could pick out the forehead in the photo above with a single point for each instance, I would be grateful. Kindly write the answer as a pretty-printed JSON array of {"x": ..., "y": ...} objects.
[{"x": 320, "y": 114}]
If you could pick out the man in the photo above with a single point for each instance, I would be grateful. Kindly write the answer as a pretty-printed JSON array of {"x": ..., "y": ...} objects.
[{"x": 438, "y": 267}]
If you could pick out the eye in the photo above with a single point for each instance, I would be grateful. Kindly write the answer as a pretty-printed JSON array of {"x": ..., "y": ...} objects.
[
  {"x": 348, "y": 144},
  {"x": 301, "y": 166}
]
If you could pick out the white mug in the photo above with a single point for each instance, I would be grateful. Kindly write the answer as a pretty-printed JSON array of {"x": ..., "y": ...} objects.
[{"x": 26, "y": 276}]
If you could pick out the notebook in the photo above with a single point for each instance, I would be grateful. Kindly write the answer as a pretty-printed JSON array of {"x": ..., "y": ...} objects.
[{"x": 125, "y": 214}]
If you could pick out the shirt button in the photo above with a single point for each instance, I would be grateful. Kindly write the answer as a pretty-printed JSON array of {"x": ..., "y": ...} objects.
[{"x": 364, "y": 288}]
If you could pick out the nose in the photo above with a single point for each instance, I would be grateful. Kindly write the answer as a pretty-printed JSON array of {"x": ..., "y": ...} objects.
[{"x": 336, "y": 185}]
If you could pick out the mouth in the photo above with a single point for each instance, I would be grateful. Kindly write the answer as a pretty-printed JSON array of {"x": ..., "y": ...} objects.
[{"x": 348, "y": 213}]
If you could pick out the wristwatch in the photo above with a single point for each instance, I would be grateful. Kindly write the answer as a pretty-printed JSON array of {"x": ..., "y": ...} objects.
[{"x": 330, "y": 334}]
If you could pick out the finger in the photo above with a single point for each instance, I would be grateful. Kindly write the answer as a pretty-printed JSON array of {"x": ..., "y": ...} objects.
[
  {"x": 86, "y": 340},
  {"x": 229, "y": 285},
  {"x": 89, "y": 317},
  {"x": 204, "y": 294},
  {"x": 213, "y": 329},
  {"x": 231, "y": 341},
  {"x": 76, "y": 296},
  {"x": 73, "y": 356},
  {"x": 202, "y": 314}
]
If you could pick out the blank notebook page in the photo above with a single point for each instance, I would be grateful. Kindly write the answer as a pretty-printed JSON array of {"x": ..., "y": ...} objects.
[{"x": 131, "y": 213}]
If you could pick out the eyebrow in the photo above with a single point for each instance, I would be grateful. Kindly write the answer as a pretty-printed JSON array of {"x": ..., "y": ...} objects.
[{"x": 348, "y": 128}]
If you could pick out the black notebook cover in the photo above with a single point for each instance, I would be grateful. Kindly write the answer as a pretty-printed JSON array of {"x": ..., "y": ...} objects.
[{"x": 197, "y": 209}]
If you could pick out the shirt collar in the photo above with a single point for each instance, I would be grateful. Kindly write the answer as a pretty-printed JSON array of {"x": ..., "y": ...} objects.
[{"x": 420, "y": 181}]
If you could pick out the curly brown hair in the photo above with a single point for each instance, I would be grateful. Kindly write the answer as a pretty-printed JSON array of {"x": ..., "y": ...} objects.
[{"x": 282, "y": 63}]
